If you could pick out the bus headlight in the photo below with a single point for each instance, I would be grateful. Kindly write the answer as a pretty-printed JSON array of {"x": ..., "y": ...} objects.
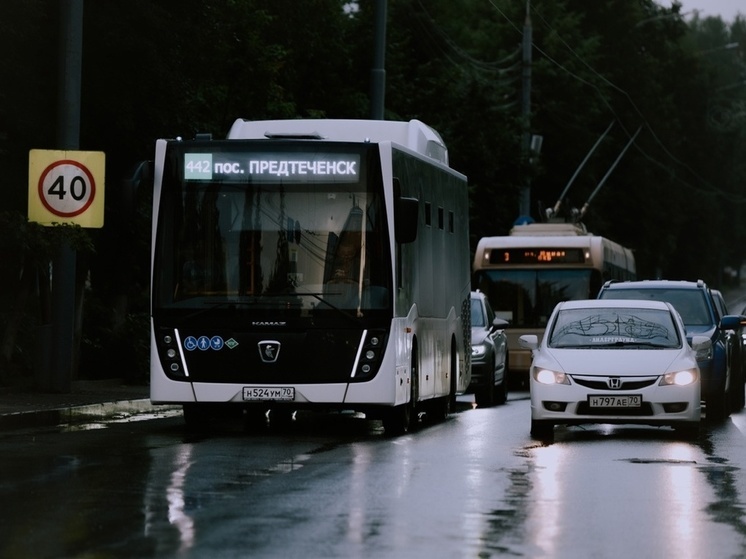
[{"x": 370, "y": 356}]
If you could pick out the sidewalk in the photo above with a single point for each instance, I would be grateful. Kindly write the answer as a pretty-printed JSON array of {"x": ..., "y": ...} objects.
[{"x": 87, "y": 401}]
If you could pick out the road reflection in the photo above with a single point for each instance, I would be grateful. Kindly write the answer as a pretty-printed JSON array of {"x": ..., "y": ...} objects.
[
  {"x": 547, "y": 497},
  {"x": 173, "y": 470},
  {"x": 728, "y": 505}
]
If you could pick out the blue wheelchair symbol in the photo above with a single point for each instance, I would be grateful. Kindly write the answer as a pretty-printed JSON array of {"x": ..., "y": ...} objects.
[{"x": 190, "y": 343}]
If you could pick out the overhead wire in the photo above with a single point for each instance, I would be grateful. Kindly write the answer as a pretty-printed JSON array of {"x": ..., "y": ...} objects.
[{"x": 711, "y": 188}]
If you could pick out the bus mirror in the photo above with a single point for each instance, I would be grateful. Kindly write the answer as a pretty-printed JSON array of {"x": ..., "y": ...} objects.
[{"x": 405, "y": 219}]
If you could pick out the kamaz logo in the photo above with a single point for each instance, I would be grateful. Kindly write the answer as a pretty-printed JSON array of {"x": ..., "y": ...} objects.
[
  {"x": 269, "y": 350},
  {"x": 269, "y": 323}
]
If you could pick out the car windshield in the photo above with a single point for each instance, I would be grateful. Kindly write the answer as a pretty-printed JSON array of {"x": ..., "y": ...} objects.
[
  {"x": 690, "y": 303},
  {"x": 477, "y": 316},
  {"x": 614, "y": 327}
]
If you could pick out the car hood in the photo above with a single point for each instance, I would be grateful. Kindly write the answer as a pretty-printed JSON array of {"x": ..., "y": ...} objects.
[{"x": 620, "y": 362}]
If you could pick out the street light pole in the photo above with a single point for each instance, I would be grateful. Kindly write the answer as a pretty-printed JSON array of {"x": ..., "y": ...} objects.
[
  {"x": 524, "y": 205},
  {"x": 68, "y": 138},
  {"x": 378, "y": 73}
]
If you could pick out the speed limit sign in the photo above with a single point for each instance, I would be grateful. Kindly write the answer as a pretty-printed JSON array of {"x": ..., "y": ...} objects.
[{"x": 66, "y": 187}]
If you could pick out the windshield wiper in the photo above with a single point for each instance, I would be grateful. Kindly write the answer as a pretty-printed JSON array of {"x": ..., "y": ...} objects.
[
  {"x": 635, "y": 343},
  {"x": 212, "y": 305},
  {"x": 320, "y": 298}
]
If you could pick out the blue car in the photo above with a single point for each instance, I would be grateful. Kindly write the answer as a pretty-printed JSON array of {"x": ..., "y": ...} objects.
[{"x": 721, "y": 366}]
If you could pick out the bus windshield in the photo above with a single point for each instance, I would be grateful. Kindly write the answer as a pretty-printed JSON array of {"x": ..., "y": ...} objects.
[
  {"x": 282, "y": 245},
  {"x": 526, "y": 298}
]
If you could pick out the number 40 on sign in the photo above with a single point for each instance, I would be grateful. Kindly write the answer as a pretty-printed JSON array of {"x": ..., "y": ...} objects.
[{"x": 66, "y": 187}]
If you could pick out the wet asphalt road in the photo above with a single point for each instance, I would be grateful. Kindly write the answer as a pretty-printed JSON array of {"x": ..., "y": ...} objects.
[{"x": 475, "y": 485}]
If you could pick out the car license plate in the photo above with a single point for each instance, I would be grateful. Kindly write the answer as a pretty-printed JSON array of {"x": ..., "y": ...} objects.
[
  {"x": 269, "y": 393},
  {"x": 615, "y": 401}
]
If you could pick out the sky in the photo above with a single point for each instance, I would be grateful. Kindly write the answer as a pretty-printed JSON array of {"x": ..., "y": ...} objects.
[{"x": 726, "y": 9}]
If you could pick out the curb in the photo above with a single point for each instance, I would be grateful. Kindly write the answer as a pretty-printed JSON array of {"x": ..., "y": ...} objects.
[{"x": 122, "y": 410}]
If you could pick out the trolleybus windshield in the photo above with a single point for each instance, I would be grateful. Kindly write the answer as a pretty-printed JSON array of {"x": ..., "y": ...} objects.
[
  {"x": 283, "y": 229},
  {"x": 526, "y": 298}
]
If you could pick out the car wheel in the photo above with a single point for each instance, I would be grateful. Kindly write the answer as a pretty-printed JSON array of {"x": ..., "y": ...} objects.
[
  {"x": 542, "y": 430},
  {"x": 484, "y": 396},
  {"x": 717, "y": 406},
  {"x": 688, "y": 431},
  {"x": 737, "y": 396},
  {"x": 501, "y": 391}
]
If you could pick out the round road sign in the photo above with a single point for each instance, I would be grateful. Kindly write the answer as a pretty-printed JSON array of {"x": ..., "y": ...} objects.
[{"x": 67, "y": 188}]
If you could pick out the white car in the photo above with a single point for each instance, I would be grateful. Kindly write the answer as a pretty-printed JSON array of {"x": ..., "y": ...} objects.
[{"x": 615, "y": 361}]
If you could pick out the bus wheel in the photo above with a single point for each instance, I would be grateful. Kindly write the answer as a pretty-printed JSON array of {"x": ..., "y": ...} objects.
[
  {"x": 396, "y": 420},
  {"x": 281, "y": 418},
  {"x": 438, "y": 409},
  {"x": 254, "y": 419},
  {"x": 403, "y": 418},
  {"x": 441, "y": 408},
  {"x": 196, "y": 417}
]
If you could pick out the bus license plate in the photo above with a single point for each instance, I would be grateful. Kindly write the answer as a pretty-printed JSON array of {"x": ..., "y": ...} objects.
[
  {"x": 616, "y": 401},
  {"x": 268, "y": 393}
]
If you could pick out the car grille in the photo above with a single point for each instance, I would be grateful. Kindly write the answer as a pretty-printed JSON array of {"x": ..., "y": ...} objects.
[{"x": 602, "y": 383}]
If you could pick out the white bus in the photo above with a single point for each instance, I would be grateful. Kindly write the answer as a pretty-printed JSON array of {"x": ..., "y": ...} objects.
[
  {"x": 525, "y": 274},
  {"x": 310, "y": 263}
]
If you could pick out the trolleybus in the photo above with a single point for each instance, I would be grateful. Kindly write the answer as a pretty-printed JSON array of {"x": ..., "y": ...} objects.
[
  {"x": 310, "y": 263},
  {"x": 526, "y": 273}
]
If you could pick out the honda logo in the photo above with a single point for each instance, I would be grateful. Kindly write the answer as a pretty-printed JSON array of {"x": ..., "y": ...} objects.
[
  {"x": 269, "y": 351},
  {"x": 614, "y": 383}
]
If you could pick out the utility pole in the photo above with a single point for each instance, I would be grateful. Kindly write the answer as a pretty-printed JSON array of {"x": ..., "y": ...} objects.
[
  {"x": 378, "y": 73},
  {"x": 68, "y": 138},
  {"x": 524, "y": 207}
]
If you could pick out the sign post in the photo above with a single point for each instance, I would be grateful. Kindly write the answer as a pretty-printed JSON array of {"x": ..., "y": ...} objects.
[{"x": 65, "y": 187}]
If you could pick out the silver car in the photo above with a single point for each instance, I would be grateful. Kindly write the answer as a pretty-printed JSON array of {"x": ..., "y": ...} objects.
[
  {"x": 489, "y": 354},
  {"x": 615, "y": 361}
]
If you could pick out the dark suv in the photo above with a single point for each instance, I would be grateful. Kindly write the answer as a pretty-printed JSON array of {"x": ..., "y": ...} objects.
[{"x": 721, "y": 366}]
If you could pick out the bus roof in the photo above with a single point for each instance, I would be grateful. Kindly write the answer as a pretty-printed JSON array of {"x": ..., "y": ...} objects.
[
  {"x": 549, "y": 229},
  {"x": 414, "y": 135}
]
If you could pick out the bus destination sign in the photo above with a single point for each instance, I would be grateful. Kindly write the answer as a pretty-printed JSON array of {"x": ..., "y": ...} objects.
[
  {"x": 271, "y": 167},
  {"x": 538, "y": 256}
]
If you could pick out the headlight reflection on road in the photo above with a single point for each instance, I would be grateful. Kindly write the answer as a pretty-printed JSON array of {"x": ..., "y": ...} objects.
[
  {"x": 547, "y": 498},
  {"x": 175, "y": 470},
  {"x": 680, "y": 479}
]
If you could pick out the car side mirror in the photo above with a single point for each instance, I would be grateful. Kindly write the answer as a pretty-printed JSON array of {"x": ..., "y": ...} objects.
[
  {"x": 529, "y": 341},
  {"x": 731, "y": 322}
]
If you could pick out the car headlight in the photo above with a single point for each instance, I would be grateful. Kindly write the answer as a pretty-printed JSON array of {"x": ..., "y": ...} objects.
[
  {"x": 545, "y": 376},
  {"x": 478, "y": 350},
  {"x": 680, "y": 378}
]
